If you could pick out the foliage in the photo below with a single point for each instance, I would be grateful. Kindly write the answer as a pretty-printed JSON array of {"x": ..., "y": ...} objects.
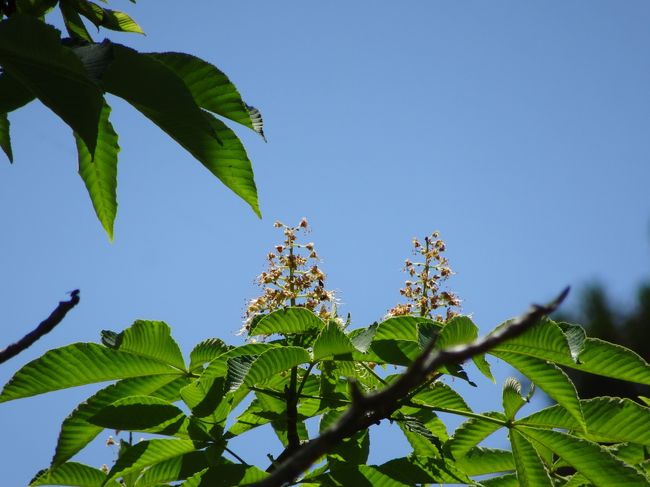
[
  {"x": 602, "y": 319},
  {"x": 310, "y": 365},
  {"x": 178, "y": 92}
]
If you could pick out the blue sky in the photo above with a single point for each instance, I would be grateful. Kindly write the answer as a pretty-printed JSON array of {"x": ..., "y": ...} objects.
[{"x": 517, "y": 129}]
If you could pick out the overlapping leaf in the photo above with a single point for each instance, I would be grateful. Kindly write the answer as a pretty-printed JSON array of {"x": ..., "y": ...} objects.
[
  {"x": 206, "y": 351},
  {"x": 285, "y": 321},
  {"x": 274, "y": 361},
  {"x": 415, "y": 470},
  {"x": 161, "y": 96},
  {"x": 140, "y": 413},
  {"x": 31, "y": 52},
  {"x": 73, "y": 474},
  {"x": 590, "y": 459},
  {"x": 148, "y": 453},
  {"x": 226, "y": 475},
  {"x": 212, "y": 90},
  {"x": 99, "y": 174},
  {"x": 530, "y": 468},
  {"x": 332, "y": 341},
  {"x": 474, "y": 431},
  {"x": 481, "y": 461},
  {"x": 77, "y": 432},
  {"x": 176, "y": 468}
]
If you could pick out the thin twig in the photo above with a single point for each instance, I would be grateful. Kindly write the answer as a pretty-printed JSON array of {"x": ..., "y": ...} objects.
[
  {"x": 372, "y": 408},
  {"x": 46, "y": 326}
]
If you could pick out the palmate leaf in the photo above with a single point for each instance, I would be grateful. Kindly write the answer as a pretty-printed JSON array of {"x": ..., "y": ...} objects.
[
  {"x": 400, "y": 328},
  {"x": 5, "y": 137},
  {"x": 73, "y": 475},
  {"x": 77, "y": 432},
  {"x": 148, "y": 453},
  {"x": 608, "y": 419},
  {"x": 550, "y": 378},
  {"x": 161, "y": 96},
  {"x": 31, "y": 52},
  {"x": 79, "y": 364},
  {"x": 332, "y": 341},
  {"x": 590, "y": 459},
  {"x": 545, "y": 340},
  {"x": 100, "y": 174},
  {"x": 211, "y": 89},
  {"x": 512, "y": 400},
  {"x": 418, "y": 432},
  {"x": 285, "y": 321},
  {"x": 530, "y": 469},
  {"x": 140, "y": 413},
  {"x": 208, "y": 401},
  {"x": 226, "y": 475}
]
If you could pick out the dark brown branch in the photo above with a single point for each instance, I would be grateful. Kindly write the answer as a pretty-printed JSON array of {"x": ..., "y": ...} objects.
[
  {"x": 372, "y": 408},
  {"x": 46, "y": 326}
]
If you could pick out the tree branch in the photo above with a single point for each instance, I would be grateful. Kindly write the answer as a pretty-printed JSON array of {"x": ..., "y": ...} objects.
[
  {"x": 372, "y": 408},
  {"x": 46, "y": 326}
]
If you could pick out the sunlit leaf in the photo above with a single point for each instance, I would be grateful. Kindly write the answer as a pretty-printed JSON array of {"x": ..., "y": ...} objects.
[
  {"x": 212, "y": 90},
  {"x": 176, "y": 468},
  {"x": 512, "y": 400},
  {"x": 76, "y": 365},
  {"x": 285, "y": 321},
  {"x": 73, "y": 475},
  {"x": 100, "y": 174},
  {"x": 77, "y": 432},
  {"x": 590, "y": 459},
  {"x": 161, "y": 96},
  {"x": 530, "y": 469},
  {"x": 481, "y": 461},
  {"x": 474, "y": 431},
  {"x": 332, "y": 341},
  {"x": 274, "y": 361},
  {"x": 72, "y": 20},
  {"x": 206, "y": 351},
  {"x": 140, "y": 413},
  {"x": 440, "y": 395},
  {"x": 414, "y": 470},
  {"x": 226, "y": 475}
]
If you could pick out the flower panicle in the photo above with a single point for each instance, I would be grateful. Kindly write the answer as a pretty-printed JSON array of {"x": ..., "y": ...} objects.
[
  {"x": 293, "y": 278},
  {"x": 427, "y": 273}
]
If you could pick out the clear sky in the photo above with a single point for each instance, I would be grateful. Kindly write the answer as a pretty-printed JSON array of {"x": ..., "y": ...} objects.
[{"x": 517, "y": 129}]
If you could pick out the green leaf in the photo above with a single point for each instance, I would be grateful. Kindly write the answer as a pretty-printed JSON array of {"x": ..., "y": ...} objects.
[
  {"x": 207, "y": 351},
  {"x": 148, "y": 453},
  {"x": 73, "y": 475},
  {"x": 545, "y": 340},
  {"x": 274, "y": 361},
  {"x": 100, "y": 174},
  {"x": 512, "y": 400},
  {"x": 14, "y": 94},
  {"x": 34, "y": 8},
  {"x": 414, "y": 470},
  {"x": 458, "y": 331},
  {"x": 610, "y": 360},
  {"x": 76, "y": 365},
  {"x": 77, "y": 432},
  {"x": 361, "y": 475},
  {"x": 211, "y": 89},
  {"x": 161, "y": 96},
  {"x": 422, "y": 439},
  {"x": 590, "y": 459},
  {"x": 397, "y": 352},
  {"x": 332, "y": 341},
  {"x": 353, "y": 450},
  {"x": 530, "y": 469},
  {"x": 208, "y": 400},
  {"x": 31, "y": 52},
  {"x": 152, "y": 339},
  {"x": 400, "y": 328},
  {"x": 177, "y": 468},
  {"x": 109, "y": 19},
  {"x": 226, "y": 475},
  {"x": 5, "y": 138},
  {"x": 608, "y": 419},
  {"x": 287, "y": 321},
  {"x": 508, "y": 480},
  {"x": 481, "y": 461},
  {"x": 72, "y": 20},
  {"x": 140, "y": 413},
  {"x": 441, "y": 396},
  {"x": 472, "y": 432},
  {"x": 548, "y": 377}
]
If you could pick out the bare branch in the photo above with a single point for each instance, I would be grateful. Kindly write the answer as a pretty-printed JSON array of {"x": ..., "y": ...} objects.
[
  {"x": 374, "y": 407},
  {"x": 46, "y": 326}
]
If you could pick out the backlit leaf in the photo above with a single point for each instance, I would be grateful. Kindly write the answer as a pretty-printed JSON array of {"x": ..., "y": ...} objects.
[{"x": 287, "y": 321}]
